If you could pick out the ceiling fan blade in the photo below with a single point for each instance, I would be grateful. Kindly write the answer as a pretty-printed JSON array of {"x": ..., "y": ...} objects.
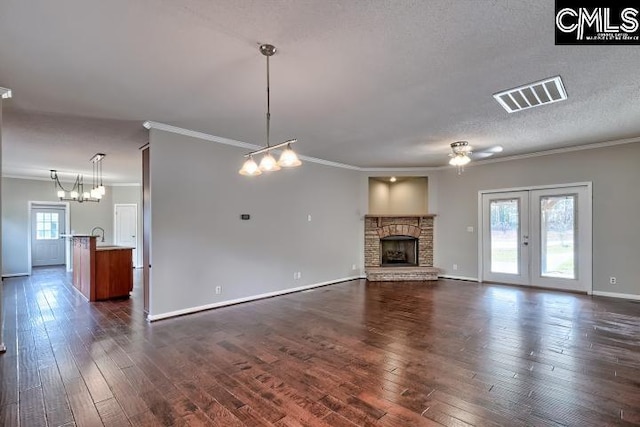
[
  {"x": 481, "y": 155},
  {"x": 487, "y": 152}
]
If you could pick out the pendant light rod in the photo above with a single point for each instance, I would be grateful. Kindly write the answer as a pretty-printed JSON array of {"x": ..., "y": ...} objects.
[
  {"x": 273, "y": 147},
  {"x": 268, "y": 101}
]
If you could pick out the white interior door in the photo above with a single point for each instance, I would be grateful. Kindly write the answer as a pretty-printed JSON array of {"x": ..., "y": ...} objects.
[
  {"x": 47, "y": 248},
  {"x": 126, "y": 227},
  {"x": 538, "y": 237},
  {"x": 505, "y": 231}
]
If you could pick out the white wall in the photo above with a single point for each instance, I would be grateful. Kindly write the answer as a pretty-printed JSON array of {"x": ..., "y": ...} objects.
[
  {"x": 16, "y": 194},
  {"x": 131, "y": 195},
  {"x": 199, "y": 242},
  {"x": 378, "y": 197},
  {"x": 615, "y": 173},
  {"x": 408, "y": 196}
]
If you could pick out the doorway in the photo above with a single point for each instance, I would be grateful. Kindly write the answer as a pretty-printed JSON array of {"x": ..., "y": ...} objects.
[
  {"x": 125, "y": 218},
  {"x": 537, "y": 237},
  {"x": 48, "y": 225}
]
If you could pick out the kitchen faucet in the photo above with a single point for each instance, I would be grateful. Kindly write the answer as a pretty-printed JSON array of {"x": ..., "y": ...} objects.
[{"x": 93, "y": 233}]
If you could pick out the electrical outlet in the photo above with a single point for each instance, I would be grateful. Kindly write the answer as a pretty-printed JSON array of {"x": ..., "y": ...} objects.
[
  {"x": 295, "y": 275},
  {"x": 353, "y": 266},
  {"x": 613, "y": 281},
  {"x": 218, "y": 290},
  {"x": 470, "y": 229},
  {"x": 309, "y": 217},
  {"x": 455, "y": 266},
  {"x": 299, "y": 275}
]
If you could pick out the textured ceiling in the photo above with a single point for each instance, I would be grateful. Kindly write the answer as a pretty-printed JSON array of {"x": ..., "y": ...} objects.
[{"x": 364, "y": 82}]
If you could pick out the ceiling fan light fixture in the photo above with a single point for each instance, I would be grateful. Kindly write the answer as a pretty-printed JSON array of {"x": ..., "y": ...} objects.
[
  {"x": 460, "y": 152},
  {"x": 459, "y": 160}
]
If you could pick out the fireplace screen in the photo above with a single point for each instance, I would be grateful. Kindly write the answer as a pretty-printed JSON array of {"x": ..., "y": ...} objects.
[{"x": 399, "y": 251}]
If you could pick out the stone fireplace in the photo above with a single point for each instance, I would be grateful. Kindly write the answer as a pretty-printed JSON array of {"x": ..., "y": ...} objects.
[{"x": 399, "y": 248}]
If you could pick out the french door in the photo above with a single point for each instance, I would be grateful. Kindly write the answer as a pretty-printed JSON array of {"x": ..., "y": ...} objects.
[{"x": 538, "y": 237}]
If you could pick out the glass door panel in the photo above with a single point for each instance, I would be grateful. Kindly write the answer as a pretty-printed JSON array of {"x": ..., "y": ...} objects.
[
  {"x": 505, "y": 243},
  {"x": 557, "y": 235}
]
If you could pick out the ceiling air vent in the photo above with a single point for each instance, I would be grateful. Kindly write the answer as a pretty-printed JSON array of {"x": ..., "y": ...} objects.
[{"x": 532, "y": 95}]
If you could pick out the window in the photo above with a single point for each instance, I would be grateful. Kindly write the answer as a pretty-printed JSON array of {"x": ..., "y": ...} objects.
[{"x": 47, "y": 226}]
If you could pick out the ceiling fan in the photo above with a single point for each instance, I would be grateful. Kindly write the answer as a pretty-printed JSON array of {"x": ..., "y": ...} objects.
[{"x": 462, "y": 153}]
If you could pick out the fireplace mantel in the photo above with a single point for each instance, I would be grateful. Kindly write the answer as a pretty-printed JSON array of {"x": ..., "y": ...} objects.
[{"x": 418, "y": 217}]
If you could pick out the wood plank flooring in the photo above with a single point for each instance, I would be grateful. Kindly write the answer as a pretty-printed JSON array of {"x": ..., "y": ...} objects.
[{"x": 380, "y": 354}]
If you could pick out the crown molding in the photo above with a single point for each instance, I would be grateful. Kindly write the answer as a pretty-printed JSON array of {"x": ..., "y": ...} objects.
[
  {"x": 245, "y": 145},
  {"x": 67, "y": 181},
  {"x": 411, "y": 169},
  {"x": 553, "y": 151}
]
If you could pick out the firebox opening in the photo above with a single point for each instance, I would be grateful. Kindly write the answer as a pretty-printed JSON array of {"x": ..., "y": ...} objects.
[{"x": 399, "y": 251}]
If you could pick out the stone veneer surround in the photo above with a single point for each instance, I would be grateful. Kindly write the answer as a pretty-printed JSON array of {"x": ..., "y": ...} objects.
[{"x": 380, "y": 226}]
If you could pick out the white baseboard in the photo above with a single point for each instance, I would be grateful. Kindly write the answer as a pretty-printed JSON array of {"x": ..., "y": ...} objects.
[
  {"x": 14, "y": 275},
  {"x": 154, "y": 317},
  {"x": 470, "y": 279},
  {"x": 616, "y": 295}
]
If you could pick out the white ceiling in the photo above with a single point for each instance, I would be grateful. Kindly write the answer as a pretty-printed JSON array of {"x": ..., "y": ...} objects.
[{"x": 364, "y": 82}]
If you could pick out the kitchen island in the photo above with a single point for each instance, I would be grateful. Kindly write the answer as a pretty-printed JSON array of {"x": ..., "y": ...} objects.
[{"x": 101, "y": 272}]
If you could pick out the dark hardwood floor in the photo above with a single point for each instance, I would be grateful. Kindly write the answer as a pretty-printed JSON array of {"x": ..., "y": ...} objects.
[{"x": 392, "y": 354}]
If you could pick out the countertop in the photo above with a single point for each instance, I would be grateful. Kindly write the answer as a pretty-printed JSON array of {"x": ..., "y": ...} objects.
[{"x": 111, "y": 247}]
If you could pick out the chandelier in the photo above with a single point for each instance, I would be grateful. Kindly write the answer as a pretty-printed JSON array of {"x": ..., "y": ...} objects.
[
  {"x": 268, "y": 163},
  {"x": 77, "y": 192},
  {"x": 460, "y": 152}
]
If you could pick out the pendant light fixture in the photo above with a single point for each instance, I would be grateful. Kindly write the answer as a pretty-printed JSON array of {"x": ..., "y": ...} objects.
[
  {"x": 268, "y": 163},
  {"x": 77, "y": 192}
]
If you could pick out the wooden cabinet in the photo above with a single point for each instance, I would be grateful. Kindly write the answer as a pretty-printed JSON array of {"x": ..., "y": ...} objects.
[{"x": 101, "y": 273}]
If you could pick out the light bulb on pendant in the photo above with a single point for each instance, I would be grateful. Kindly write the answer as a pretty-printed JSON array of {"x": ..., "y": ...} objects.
[
  {"x": 74, "y": 194},
  {"x": 268, "y": 163},
  {"x": 250, "y": 168},
  {"x": 61, "y": 194},
  {"x": 289, "y": 158},
  {"x": 86, "y": 195},
  {"x": 102, "y": 190}
]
